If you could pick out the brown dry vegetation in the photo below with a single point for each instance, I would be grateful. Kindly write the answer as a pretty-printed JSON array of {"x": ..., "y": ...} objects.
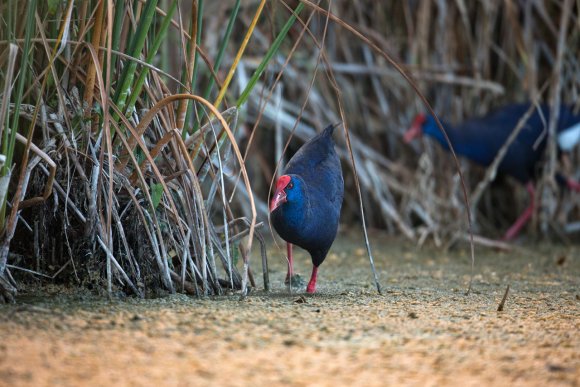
[{"x": 115, "y": 228}]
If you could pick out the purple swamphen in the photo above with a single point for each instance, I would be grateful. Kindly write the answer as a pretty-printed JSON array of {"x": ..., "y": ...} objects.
[
  {"x": 305, "y": 208},
  {"x": 480, "y": 139}
]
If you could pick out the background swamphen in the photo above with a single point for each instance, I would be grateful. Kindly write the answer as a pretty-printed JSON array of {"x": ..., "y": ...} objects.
[
  {"x": 480, "y": 139},
  {"x": 305, "y": 209}
]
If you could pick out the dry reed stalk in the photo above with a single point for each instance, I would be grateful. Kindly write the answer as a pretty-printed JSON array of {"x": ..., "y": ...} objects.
[
  {"x": 549, "y": 187},
  {"x": 192, "y": 47},
  {"x": 491, "y": 171},
  {"x": 92, "y": 68},
  {"x": 8, "y": 82}
]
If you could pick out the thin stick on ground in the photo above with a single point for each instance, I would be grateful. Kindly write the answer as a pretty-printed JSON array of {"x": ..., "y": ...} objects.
[{"x": 504, "y": 298}]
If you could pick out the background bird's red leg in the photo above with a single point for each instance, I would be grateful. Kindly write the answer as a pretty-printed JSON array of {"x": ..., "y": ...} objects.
[
  {"x": 290, "y": 264},
  {"x": 573, "y": 185},
  {"x": 311, "y": 288},
  {"x": 514, "y": 230}
]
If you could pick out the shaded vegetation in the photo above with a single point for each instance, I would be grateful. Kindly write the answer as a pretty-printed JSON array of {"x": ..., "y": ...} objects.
[{"x": 134, "y": 134}]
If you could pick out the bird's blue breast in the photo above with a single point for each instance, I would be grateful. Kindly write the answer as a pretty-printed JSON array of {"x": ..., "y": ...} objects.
[{"x": 310, "y": 222}]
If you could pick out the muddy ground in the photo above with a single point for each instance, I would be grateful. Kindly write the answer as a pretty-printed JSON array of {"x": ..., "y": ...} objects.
[{"x": 422, "y": 330}]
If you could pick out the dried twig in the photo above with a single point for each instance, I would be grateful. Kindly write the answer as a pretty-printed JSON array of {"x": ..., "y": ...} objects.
[
  {"x": 187, "y": 286},
  {"x": 491, "y": 171},
  {"x": 119, "y": 268},
  {"x": 504, "y": 298},
  {"x": 549, "y": 185}
]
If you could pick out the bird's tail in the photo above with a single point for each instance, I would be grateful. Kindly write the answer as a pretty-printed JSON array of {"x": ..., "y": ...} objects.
[{"x": 330, "y": 129}]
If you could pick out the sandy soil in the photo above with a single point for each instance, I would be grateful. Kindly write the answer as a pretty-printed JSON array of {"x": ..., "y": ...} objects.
[{"x": 422, "y": 331}]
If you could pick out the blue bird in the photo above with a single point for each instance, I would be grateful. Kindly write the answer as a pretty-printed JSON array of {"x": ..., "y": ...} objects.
[
  {"x": 305, "y": 208},
  {"x": 480, "y": 139}
]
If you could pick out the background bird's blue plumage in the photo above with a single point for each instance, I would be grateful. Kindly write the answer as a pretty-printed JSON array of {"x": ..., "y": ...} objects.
[{"x": 480, "y": 139}]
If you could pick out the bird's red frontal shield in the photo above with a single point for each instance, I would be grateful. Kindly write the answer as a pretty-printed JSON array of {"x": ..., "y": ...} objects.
[{"x": 280, "y": 194}]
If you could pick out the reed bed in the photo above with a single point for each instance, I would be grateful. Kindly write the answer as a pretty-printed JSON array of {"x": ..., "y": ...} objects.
[{"x": 140, "y": 138}]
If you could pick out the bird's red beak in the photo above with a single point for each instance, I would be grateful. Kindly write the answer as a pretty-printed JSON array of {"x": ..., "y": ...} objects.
[
  {"x": 416, "y": 129},
  {"x": 280, "y": 194}
]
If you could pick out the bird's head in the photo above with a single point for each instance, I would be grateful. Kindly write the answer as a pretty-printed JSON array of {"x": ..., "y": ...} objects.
[
  {"x": 288, "y": 189},
  {"x": 423, "y": 124},
  {"x": 416, "y": 129}
]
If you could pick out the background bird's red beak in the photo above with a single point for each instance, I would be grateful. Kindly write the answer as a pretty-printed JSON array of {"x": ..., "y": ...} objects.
[
  {"x": 415, "y": 130},
  {"x": 280, "y": 195}
]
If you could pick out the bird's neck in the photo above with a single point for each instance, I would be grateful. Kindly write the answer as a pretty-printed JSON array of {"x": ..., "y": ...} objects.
[
  {"x": 431, "y": 129},
  {"x": 462, "y": 145},
  {"x": 295, "y": 213}
]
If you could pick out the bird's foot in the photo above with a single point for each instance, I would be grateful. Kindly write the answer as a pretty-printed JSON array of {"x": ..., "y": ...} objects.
[
  {"x": 297, "y": 281},
  {"x": 510, "y": 235}
]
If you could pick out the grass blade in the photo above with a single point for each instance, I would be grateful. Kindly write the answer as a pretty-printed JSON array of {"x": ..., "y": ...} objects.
[
  {"x": 271, "y": 51},
  {"x": 136, "y": 47}
]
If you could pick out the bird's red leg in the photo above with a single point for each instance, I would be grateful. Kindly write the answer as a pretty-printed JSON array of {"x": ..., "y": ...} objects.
[
  {"x": 514, "y": 230},
  {"x": 573, "y": 185},
  {"x": 290, "y": 264},
  {"x": 311, "y": 288}
]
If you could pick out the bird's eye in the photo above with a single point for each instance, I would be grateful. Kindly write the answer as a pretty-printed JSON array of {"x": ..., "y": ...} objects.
[{"x": 290, "y": 185}]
